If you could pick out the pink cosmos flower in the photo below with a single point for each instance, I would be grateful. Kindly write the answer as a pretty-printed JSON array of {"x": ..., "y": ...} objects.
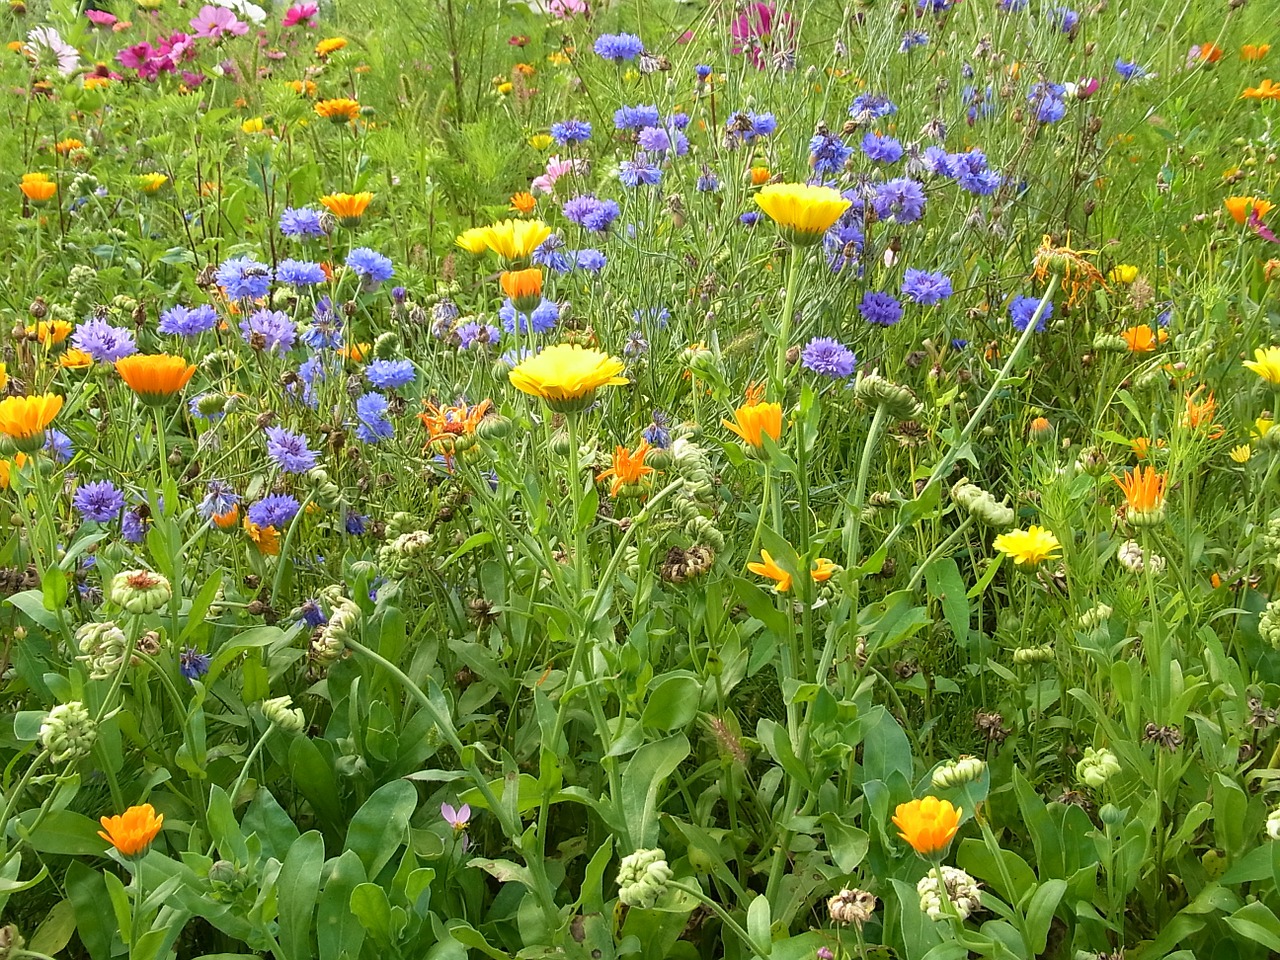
[
  {"x": 1087, "y": 87},
  {"x": 101, "y": 18},
  {"x": 212, "y": 23},
  {"x": 302, "y": 15},
  {"x": 564, "y": 9},
  {"x": 757, "y": 30},
  {"x": 48, "y": 41},
  {"x": 135, "y": 57},
  {"x": 557, "y": 168}
]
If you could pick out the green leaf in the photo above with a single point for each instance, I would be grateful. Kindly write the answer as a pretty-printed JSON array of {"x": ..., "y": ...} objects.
[
  {"x": 644, "y": 775},
  {"x": 62, "y": 832},
  {"x": 313, "y": 776},
  {"x": 673, "y": 703},
  {"x": 885, "y": 747},
  {"x": 381, "y": 825},
  {"x": 55, "y": 930},
  {"x": 297, "y": 888},
  {"x": 1040, "y": 912},
  {"x": 759, "y": 922},
  {"x": 338, "y": 931},
  {"x": 1255, "y": 923},
  {"x": 88, "y": 892},
  {"x": 945, "y": 584},
  {"x": 224, "y": 829},
  {"x": 371, "y": 907},
  {"x": 845, "y": 842}
]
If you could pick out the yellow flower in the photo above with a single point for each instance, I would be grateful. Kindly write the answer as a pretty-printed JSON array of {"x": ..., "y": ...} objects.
[
  {"x": 505, "y": 87},
  {"x": 8, "y": 466},
  {"x": 151, "y": 182},
  {"x": 133, "y": 830},
  {"x": 928, "y": 824},
  {"x": 349, "y": 208},
  {"x": 49, "y": 332},
  {"x": 473, "y": 240},
  {"x": 266, "y": 539},
  {"x": 74, "y": 359},
  {"x": 254, "y": 125},
  {"x": 567, "y": 376},
  {"x": 1123, "y": 273},
  {"x": 4, "y": 377},
  {"x": 96, "y": 83},
  {"x": 540, "y": 141},
  {"x": 1242, "y": 453},
  {"x": 512, "y": 240},
  {"x": 803, "y": 212},
  {"x": 341, "y": 110},
  {"x": 755, "y": 421},
  {"x": 330, "y": 45},
  {"x": 25, "y": 419},
  {"x": 1266, "y": 364},
  {"x": 1028, "y": 547}
]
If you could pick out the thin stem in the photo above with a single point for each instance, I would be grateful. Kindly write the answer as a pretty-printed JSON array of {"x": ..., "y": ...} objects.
[
  {"x": 784, "y": 326},
  {"x": 696, "y": 892}
]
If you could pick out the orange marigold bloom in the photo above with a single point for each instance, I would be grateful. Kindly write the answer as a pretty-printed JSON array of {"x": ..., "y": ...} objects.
[
  {"x": 754, "y": 421},
  {"x": 133, "y": 830},
  {"x": 1266, "y": 90},
  {"x": 74, "y": 359},
  {"x": 1143, "y": 489},
  {"x": 66, "y": 146},
  {"x": 37, "y": 187},
  {"x": 1241, "y": 208},
  {"x": 266, "y": 539},
  {"x": 49, "y": 332},
  {"x": 928, "y": 824},
  {"x": 1143, "y": 339},
  {"x": 523, "y": 202},
  {"x": 349, "y": 208},
  {"x": 339, "y": 110},
  {"x": 1141, "y": 447},
  {"x": 228, "y": 520},
  {"x": 759, "y": 175},
  {"x": 629, "y": 468},
  {"x": 330, "y": 45},
  {"x": 154, "y": 377},
  {"x": 7, "y": 466},
  {"x": 355, "y": 351},
  {"x": 303, "y": 88},
  {"x": 25, "y": 419},
  {"x": 1254, "y": 51},
  {"x": 1199, "y": 413},
  {"x": 769, "y": 568},
  {"x": 1209, "y": 53},
  {"x": 524, "y": 287}
]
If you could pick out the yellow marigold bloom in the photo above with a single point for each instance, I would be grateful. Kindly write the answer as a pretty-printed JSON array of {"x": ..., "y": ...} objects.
[
  {"x": 524, "y": 287},
  {"x": 1266, "y": 364},
  {"x": 37, "y": 187},
  {"x": 330, "y": 45},
  {"x": 802, "y": 212},
  {"x": 1261, "y": 427},
  {"x": 8, "y": 466},
  {"x": 1028, "y": 547},
  {"x": 512, "y": 240},
  {"x": 505, "y": 87},
  {"x": 154, "y": 377},
  {"x": 49, "y": 332},
  {"x": 770, "y": 569},
  {"x": 1242, "y": 453},
  {"x": 266, "y": 539},
  {"x": 755, "y": 421},
  {"x": 133, "y": 830},
  {"x": 1266, "y": 90},
  {"x": 349, "y": 208},
  {"x": 1144, "y": 339},
  {"x": 540, "y": 141},
  {"x": 151, "y": 182},
  {"x": 66, "y": 146},
  {"x": 629, "y": 468},
  {"x": 74, "y": 359},
  {"x": 303, "y": 88},
  {"x": 253, "y": 125},
  {"x": 341, "y": 110},
  {"x": 24, "y": 419},
  {"x": 1254, "y": 51},
  {"x": 928, "y": 824},
  {"x": 523, "y": 202},
  {"x": 96, "y": 83},
  {"x": 1123, "y": 273},
  {"x": 1143, "y": 495},
  {"x": 4, "y": 377},
  {"x": 823, "y": 569},
  {"x": 473, "y": 240},
  {"x": 1240, "y": 208},
  {"x": 567, "y": 376}
]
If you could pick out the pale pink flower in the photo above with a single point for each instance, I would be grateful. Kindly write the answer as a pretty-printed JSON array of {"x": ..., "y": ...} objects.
[
  {"x": 212, "y": 23},
  {"x": 557, "y": 168}
]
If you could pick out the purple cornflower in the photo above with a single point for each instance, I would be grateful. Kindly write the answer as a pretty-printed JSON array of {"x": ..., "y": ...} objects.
[
  {"x": 1022, "y": 309},
  {"x": 925, "y": 288},
  {"x": 1012, "y": 6},
  {"x": 541, "y": 319},
  {"x": 302, "y": 222},
  {"x": 100, "y": 502},
  {"x": 750, "y": 218},
  {"x": 913, "y": 38},
  {"x": 591, "y": 213},
  {"x": 476, "y": 334},
  {"x": 1130, "y": 70},
  {"x": 746, "y": 126},
  {"x": 274, "y": 510},
  {"x": 390, "y": 374},
  {"x": 300, "y": 273},
  {"x": 354, "y": 523},
  {"x": 371, "y": 414},
  {"x": 183, "y": 321},
  {"x": 880, "y": 308},
  {"x": 633, "y": 173},
  {"x": 193, "y": 664},
  {"x": 844, "y": 241},
  {"x": 1064, "y": 18},
  {"x": 900, "y": 200},
  {"x": 134, "y": 526},
  {"x": 244, "y": 278},
  {"x": 654, "y": 140},
  {"x": 102, "y": 341},
  {"x": 618, "y": 47},
  {"x": 571, "y": 131},
  {"x": 290, "y": 450},
  {"x": 1047, "y": 98},
  {"x": 58, "y": 445},
  {"x": 708, "y": 182},
  {"x": 547, "y": 254},
  {"x": 828, "y": 154},
  {"x": 590, "y": 260},
  {"x": 370, "y": 266},
  {"x": 269, "y": 330},
  {"x": 219, "y": 498},
  {"x": 635, "y": 118},
  {"x": 312, "y": 613},
  {"x": 828, "y": 357},
  {"x": 881, "y": 149}
]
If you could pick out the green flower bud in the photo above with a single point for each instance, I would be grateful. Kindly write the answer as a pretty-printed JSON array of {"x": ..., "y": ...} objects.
[
  {"x": 139, "y": 591},
  {"x": 281, "y": 712},
  {"x": 982, "y": 505},
  {"x": 642, "y": 878},
  {"x": 1032, "y": 655},
  {"x": 1096, "y": 767},
  {"x": 1094, "y": 617},
  {"x": 386, "y": 346},
  {"x": 102, "y": 647},
  {"x": 957, "y": 773},
  {"x": 68, "y": 732},
  {"x": 1110, "y": 343},
  {"x": 899, "y": 401},
  {"x": 1269, "y": 624},
  {"x": 495, "y": 427}
]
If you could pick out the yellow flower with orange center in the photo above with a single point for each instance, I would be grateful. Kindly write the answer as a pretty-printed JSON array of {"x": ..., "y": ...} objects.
[
  {"x": 802, "y": 211},
  {"x": 340, "y": 110},
  {"x": 629, "y": 469},
  {"x": 151, "y": 182},
  {"x": 523, "y": 203},
  {"x": 928, "y": 824},
  {"x": 524, "y": 287},
  {"x": 75, "y": 359},
  {"x": 567, "y": 376},
  {"x": 330, "y": 45},
  {"x": 349, "y": 208},
  {"x": 37, "y": 187},
  {"x": 154, "y": 377},
  {"x": 753, "y": 421},
  {"x": 1254, "y": 51},
  {"x": 132, "y": 831},
  {"x": 66, "y": 146},
  {"x": 25, "y": 419},
  {"x": 1142, "y": 446},
  {"x": 1143, "y": 338},
  {"x": 266, "y": 539},
  {"x": 1243, "y": 208},
  {"x": 1143, "y": 495}
]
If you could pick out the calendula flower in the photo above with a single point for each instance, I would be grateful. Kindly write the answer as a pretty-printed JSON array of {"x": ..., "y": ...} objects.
[
  {"x": 802, "y": 212},
  {"x": 452, "y": 430},
  {"x": 303, "y": 88},
  {"x": 760, "y": 176},
  {"x": 1144, "y": 338},
  {"x": 25, "y": 419},
  {"x": 755, "y": 421},
  {"x": 253, "y": 125},
  {"x": 1266, "y": 90},
  {"x": 567, "y": 376},
  {"x": 1199, "y": 414},
  {"x": 523, "y": 202},
  {"x": 74, "y": 359},
  {"x": 132, "y": 831},
  {"x": 8, "y": 466},
  {"x": 928, "y": 824},
  {"x": 37, "y": 187},
  {"x": 1143, "y": 495},
  {"x": 151, "y": 182},
  {"x": 266, "y": 539},
  {"x": 628, "y": 471},
  {"x": 68, "y": 144},
  {"x": 154, "y": 377},
  {"x": 473, "y": 240},
  {"x": 1208, "y": 53},
  {"x": 1242, "y": 208},
  {"x": 50, "y": 332},
  {"x": 1266, "y": 364},
  {"x": 1254, "y": 51},
  {"x": 524, "y": 287},
  {"x": 512, "y": 240},
  {"x": 1078, "y": 274},
  {"x": 349, "y": 208},
  {"x": 330, "y": 45},
  {"x": 769, "y": 568},
  {"x": 340, "y": 110},
  {"x": 1028, "y": 547},
  {"x": 1242, "y": 453},
  {"x": 1123, "y": 273}
]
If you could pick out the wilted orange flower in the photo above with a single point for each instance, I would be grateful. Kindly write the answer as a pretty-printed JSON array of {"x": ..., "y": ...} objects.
[
  {"x": 1240, "y": 208},
  {"x": 1254, "y": 51},
  {"x": 1270, "y": 270},
  {"x": 49, "y": 332},
  {"x": 154, "y": 377},
  {"x": 24, "y": 419},
  {"x": 1143, "y": 489},
  {"x": 349, "y": 208},
  {"x": 1078, "y": 274},
  {"x": 1266, "y": 90},
  {"x": 628, "y": 469},
  {"x": 340, "y": 110},
  {"x": 449, "y": 428},
  {"x": 266, "y": 539},
  {"x": 1199, "y": 413},
  {"x": 1144, "y": 339},
  {"x": 523, "y": 203},
  {"x": 330, "y": 45},
  {"x": 133, "y": 830},
  {"x": 928, "y": 824}
]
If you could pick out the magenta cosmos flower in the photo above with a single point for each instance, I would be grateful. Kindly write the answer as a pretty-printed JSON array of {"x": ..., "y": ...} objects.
[
  {"x": 302, "y": 15},
  {"x": 758, "y": 31},
  {"x": 101, "y": 18},
  {"x": 213, "y": 23}
]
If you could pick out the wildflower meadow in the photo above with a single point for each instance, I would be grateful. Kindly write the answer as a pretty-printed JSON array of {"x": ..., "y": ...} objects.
[{"x": 640, "y": 480}]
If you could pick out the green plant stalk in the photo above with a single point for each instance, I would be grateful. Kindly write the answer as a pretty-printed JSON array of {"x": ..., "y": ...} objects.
[
  {"x": 938, "y": 551},
  {"x": 25, "y": 782},
  {"x": 695, "y": 891},
  {"x": 784, "y": 325}
]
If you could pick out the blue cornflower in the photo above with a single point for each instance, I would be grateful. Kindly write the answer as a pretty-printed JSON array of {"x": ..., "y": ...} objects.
[
  {"x": 702, "y": 71},
  {"x": 325, "y": 330},
  {"x": 372, "y": 267},
  {"x": 746, "y": 126},
  {"x": 371, "y": 412},
  {"x": 310, "y": 372},
  {"x": 354, "y": 523},
  {"x": 679, "y": 120},
  {"x": 635, "y": 118},
  {"x": 135, "y": 524},
  {"x": 656, "y": 433},
  {"x": 1047, "y": 98},
  {"x": 1064, "y": 18},
  {"x": 880, "y": 308},
  {"x": 571, "y": 131},
  {"x": 542, "y": 319},
  {"x": 193, "y": 664},
  {"x": 1130, "y": 70},
  {"x": 274, "y": 510},
  {"x": 100, "y": 502},
  {"x": 244, "y": 278},
  {"x": 391, "y": 374},
  {"x": 399, "y": 295},
  {"x": 919, "y": 286},
  {"x": 547, "y": 254},
  {"x": 274, "y": 328},
  {"x": 58, "y": 445},
  {"x": 828, "y": 357},
  {"x": 1022, "y": 309},
  {"x": 872, "y": 106},
  {"x": 900, "y": 199},
  {"x": 934, "y": 6},
  {"x": 590, "y": 260},
  {"x": 708, "y": 182},
  {"x": 881, "y": 149},
  {"x": 658, "y": 316},
  {"x": 102, "y": 341},
  {"x": 1012, "y": 6},
  {"x": 750, "y": 218},
  {"x": 591, "y": 213},
  {"x": 183, "y": 321},
  {"x": 312, "y": 613},
  {"x": 300, "y": 273},
  {"x": 476, "y": 334},
  {"x": 843, "y": 243},
  {"x": 618, "y": 47},
  {"x": 635, "y": 172},
  {"x": 219, "y": 498},
  {"x": 828, "y": 154},
  {"x": 654, "y": 140},
  {"x": 290, "y": 450},
  {"x": 913, "y": 38},
  {"x": 302, "y": 222}
]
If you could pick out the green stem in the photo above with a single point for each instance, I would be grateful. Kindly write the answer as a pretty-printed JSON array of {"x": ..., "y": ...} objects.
[
  {"x": 784, "y": 326},
  {"x": 695, "y": 891}
]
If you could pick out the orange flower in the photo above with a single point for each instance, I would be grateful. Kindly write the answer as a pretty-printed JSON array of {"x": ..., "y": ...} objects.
[
  {"x": 928, "y": 824},
  {"x": 523, "y": 203},
  {"x": 66, "y": 146},
  {"x": 37, "y": 187},
  {"x": 228, "y": 520},
  {"x": 453, "y": 428},
  {"x": 755, "y": 420},
  {"x": 524, "y": 287},
  {"x": 1209, "y": 53},
  {"x": 355, "y": 351},
  {"x": 1254, "y": 51},
  {"x": 349, "y": 208},
  {"x": 1141, "y": 447},
  {"x": 25, "y": 419},
  {"x": 1143, "y": 489},
  {"x": 1143, "y": 339},
  {"x": 1199, "y": 413},
  {"x": 50, "y": 332},
  {"x": 1266, "y": 90},
  {"x": 1241, "y": 208},
  {"x": 266, "y": 539},
  {"x": 759, "y": 175},
  {"x": 330, "y": 45},
  {"x": 769, "y": 568},
  {"x": 7, "y": 466},
  {"x": 628, "y": 470},
  {"x": 133, "y": 830},
  {"x": 74, "y": 359},
  {"x": 154, "y": 377},
  {"x": 340, "y": 110}
]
